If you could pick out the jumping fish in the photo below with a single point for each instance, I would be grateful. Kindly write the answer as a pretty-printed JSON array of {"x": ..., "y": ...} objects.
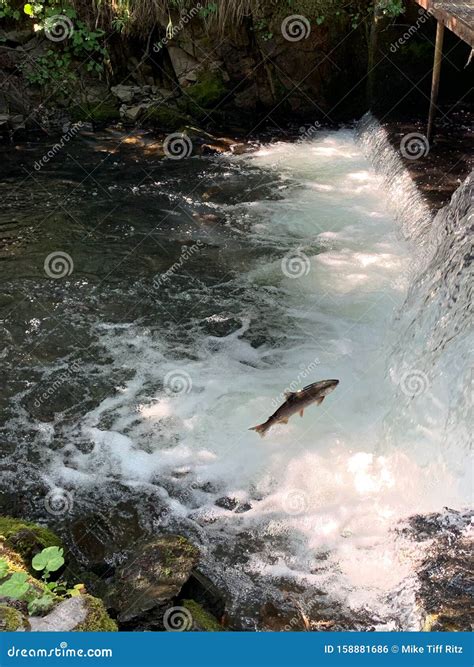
[{"x": 297, "y": 401}]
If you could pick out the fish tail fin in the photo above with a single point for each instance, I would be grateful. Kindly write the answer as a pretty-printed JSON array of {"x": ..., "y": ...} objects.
[{"x": 260, "y": 428}]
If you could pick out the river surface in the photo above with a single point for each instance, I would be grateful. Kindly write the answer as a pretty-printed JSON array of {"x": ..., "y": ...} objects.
[{"x": 189, "y": 295}]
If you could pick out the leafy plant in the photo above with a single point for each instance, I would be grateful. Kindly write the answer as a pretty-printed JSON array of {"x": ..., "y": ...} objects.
[
  {"x": 49, "y": 560},
  {"x": 17, "y": 586}
]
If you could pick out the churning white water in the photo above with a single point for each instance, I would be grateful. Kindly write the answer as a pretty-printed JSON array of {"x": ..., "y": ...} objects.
[{"x": 315, "y": 502}]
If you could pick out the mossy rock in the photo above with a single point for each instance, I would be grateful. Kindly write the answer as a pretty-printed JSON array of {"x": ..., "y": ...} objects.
[
  {"x": 100, "y": 113},
  {"x": 12, "y": 620},
  {"x": 167, "y": 118},
  {"x": 97, "y": 619},
  {"x": 202, "y": 619},
  {"x": 209, "y": 90},
  {"x": 26, "y": 538}
]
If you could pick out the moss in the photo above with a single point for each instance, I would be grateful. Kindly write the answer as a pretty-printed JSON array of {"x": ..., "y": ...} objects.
[
  {"x": 27, "y": 538},
  {"x": 12, "y": 620},
  {"x": 208, "y": 91},
  {"x": 202, "y": 619},
  {"x": 97, "y": 619},
  {"x": 165, "y": 117},
  {"x": 99, "y": 113}
]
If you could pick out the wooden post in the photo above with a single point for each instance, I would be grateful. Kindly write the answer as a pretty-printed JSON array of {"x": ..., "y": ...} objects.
[{"x": 438, "y": 55}]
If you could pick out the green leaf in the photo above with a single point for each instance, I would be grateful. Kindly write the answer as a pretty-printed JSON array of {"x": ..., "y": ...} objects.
[
  {"x": 3, "y": 568},
  {"x": 16, "y": 586},
  {"x": 50, "y": 559},
  {"x": 28, "y": 9},
  {"x": 41, "y": 605}
]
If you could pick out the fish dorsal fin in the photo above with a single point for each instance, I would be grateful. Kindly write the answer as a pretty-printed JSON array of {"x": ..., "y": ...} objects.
[{"x": 290, "y": 394}]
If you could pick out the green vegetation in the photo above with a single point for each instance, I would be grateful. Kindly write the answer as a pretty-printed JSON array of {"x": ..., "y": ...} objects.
[
  {"x": 203, "y": 620},
  {"x": 17, "y": 585}
]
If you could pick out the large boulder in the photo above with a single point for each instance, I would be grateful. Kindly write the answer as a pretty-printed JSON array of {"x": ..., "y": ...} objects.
[{"x": 152, "y": 576}]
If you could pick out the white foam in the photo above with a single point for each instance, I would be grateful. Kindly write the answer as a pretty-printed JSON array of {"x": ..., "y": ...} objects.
[{"x": 338, "y": 322}]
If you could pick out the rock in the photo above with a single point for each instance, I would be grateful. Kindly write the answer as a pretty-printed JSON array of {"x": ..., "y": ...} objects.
[
  {"x": 81, "y": 613},
  {"x": 97, "y": 538},
  {"x": 26, "y": 538},
  {"x": 184, "y": 65},
  {"x": 124, "y": 93},
  {"x": 17, "y": 36},
  {"x": 65, "y": 617},
  {"x": 12, "y": 620},
  {"x": 226, "y": 503},
  {"x": 243, "y": 507},
  {"x": 133, "y": 113},
  {"x": 444, "y": 587},
  {"x": 162, "y": 93},
  {"x": 151, "y": 577}
]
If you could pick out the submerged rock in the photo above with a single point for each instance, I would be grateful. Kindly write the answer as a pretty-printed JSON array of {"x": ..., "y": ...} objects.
[{"x": 446, "y": 586}]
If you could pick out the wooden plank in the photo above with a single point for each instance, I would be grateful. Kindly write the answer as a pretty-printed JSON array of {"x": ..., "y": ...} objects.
[
  {"x": 438, "y": 56},
  {"x": 456, "y": 15}
]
